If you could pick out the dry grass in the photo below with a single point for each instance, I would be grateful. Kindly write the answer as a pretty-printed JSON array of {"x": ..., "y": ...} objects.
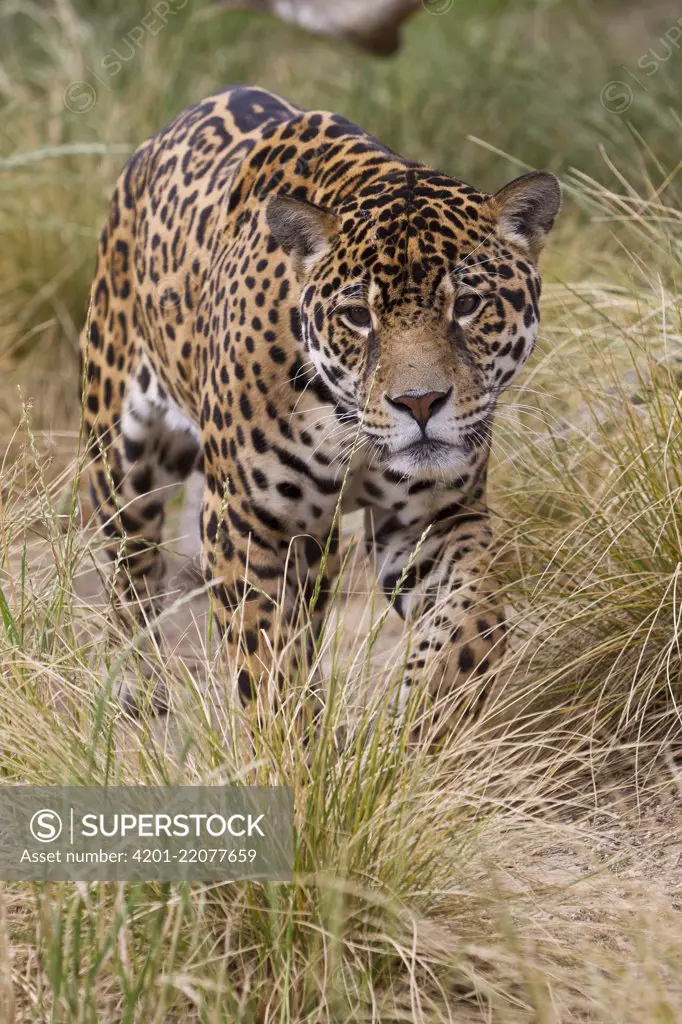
[{"x": 529, "y": 870}]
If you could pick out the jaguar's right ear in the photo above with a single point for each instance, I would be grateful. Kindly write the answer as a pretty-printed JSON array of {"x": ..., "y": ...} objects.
[{"x": 302, "y": 229}]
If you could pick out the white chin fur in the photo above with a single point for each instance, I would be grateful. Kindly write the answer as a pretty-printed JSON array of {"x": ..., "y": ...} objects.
[{"x": 430, "y": 463}]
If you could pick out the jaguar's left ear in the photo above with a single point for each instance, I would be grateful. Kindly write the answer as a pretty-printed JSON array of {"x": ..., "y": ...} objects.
[
  {"x": 302, "y": 229},
  {"x": 525, "y": 209}
]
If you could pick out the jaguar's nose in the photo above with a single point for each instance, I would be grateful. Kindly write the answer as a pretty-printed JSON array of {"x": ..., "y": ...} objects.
[{"x": 421, "y": 405}]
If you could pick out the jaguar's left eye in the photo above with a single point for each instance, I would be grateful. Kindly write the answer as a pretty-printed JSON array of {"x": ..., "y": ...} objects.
[
  {"x": 358, "y": 316},
  {"x": 467, "y": 304}
]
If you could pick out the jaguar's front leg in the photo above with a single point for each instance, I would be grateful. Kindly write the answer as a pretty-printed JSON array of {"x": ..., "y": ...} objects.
[
  {"x": 439, "y": 579},
  {"x": 267, "y": 585}
]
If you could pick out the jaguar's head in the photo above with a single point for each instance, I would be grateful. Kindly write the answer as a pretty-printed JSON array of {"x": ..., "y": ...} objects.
[{"x": 419, "y": 305}]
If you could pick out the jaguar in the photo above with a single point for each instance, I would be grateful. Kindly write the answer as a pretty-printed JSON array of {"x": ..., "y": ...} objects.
[{"x": 317, "y": 325}]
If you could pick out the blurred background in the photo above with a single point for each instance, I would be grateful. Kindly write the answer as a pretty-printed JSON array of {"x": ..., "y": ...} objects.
[{"x": 481, "y": 91}]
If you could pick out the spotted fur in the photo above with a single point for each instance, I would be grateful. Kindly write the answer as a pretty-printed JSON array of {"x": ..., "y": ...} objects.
[{"x": 286, "y": 303}]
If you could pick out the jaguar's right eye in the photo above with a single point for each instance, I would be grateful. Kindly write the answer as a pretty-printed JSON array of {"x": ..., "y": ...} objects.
[{"x": 357, "y": 316}]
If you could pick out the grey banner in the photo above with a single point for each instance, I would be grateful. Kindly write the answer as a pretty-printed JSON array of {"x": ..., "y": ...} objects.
[{"x": 146, "y": 833}]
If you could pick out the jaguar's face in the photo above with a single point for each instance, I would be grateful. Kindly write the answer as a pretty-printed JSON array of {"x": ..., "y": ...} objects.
[{"x": 419, "y": 306}]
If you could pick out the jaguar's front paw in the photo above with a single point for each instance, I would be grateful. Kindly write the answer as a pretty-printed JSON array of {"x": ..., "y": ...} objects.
[{"x": 141, "y": 692}]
